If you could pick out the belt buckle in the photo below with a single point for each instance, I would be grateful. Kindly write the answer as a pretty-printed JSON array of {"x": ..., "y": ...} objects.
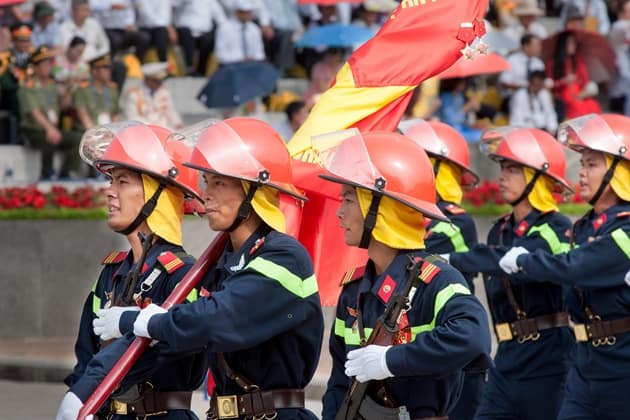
[
  {"x": 227, "y": 407},
  {"x": 579, "y": 330},
  {"x": 504, "y": 332},
  {"x": 117, "y": 407}
]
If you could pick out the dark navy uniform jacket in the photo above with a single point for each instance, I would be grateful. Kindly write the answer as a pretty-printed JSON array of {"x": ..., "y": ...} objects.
[
  {"x": 184, "y": 373},
  {"x": 546, "y": 231},
  {"x": 597, "y": 266},
  {"x": 445, "y": 331},
  {"x": 263, "y": 313},
  {"x": 458, "y": 236}
]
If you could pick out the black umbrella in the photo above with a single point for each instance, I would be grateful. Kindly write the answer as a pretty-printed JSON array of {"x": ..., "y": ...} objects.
[{"x": 234, "y": 84}]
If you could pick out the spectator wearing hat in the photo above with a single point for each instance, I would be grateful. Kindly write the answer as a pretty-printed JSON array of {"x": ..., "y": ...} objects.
[
  {"x": 14, "y": 70},
  {"x": 593, "y": 12},
  {"x": 40, "y": 106},
  {"x": 151, "y": 102},
  {"x": 154, "y": 20},
  {"x": 195, "y": 22},
  {"x": 45, "y": 29},
  {"x": 86, "y": 27},
  {"x": 239, "y": 38},
  {"x": 370, "y": 13},
  {"x": 118, "y": 18},
  {"x": 526, "y": 21}
]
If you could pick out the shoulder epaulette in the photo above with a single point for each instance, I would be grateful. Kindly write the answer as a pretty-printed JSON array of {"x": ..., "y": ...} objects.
[
  {"x": 455, "y": 209},
  {"x": 352, "y": 275},
  {"x": 428, "y": 271},
  {"x": 170, "y": 261},
  {"x": 115, "y": 257},
  {"x": 623, "y": 214}
]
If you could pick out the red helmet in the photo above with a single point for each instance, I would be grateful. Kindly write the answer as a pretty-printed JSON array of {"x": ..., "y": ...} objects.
[
  {"x": 530, "y": 147},
  {"x": 608, "y": 133},
  {"x": 386, "y": 163},
  {"x": 243, "y": 148},
  {"x": 144, "y": 148},
  {"x": 444, "y": 142}
]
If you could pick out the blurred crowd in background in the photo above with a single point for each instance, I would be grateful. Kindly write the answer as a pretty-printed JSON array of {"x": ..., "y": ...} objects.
[{"x": 66, "y": 65}]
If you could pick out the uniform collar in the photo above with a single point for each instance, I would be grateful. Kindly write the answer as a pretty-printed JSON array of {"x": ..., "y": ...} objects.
[
  {"x": 391, "y": 281},
  {"x": 521, "y": 228},
  {"x": 154, "y": 252},
  {"x": 234, "y": 261},
  {"x": 597, "y": 221}
]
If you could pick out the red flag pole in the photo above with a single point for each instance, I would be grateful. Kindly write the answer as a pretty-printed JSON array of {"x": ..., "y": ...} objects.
[{"x": 140, "y": 344}]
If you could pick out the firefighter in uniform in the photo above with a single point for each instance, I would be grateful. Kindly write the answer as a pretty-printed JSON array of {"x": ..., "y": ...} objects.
[
  {"x": 387, "y": 188},
  {"x": 594, "y": 270},
  {"x": 449, "y": 155},
  {"x": 529, "y": 319},
  {"x": 261, "y": 319},
  {"x": 146, "y": 204}
]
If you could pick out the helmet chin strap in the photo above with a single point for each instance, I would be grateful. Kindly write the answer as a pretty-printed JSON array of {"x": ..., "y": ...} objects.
[
  {"x": 370, "y": 220},
  {"x": 607, "y": 177},
  {"x": 245, "y": 208},
  {"x": 528, "y": 189},
  {"x": 145, "y": 211}
]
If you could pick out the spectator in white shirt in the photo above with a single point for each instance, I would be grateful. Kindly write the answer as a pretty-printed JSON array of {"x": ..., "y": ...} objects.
[
  {"x": 119, "y": 20},
  {"x": 154, "y": 18},
  {"x": 195, "y": 21},
  {"x": 260, "y": 14},
  {"x": 526, "y": 13},
  {"x": 239, "y": 38},
  {"x": 45, "y": 29},
  {"x": 533, "y": 106},
  {"x": 86, "y": 27},
  {"x": 594, "y": 12},
  {"x": 619, "y": 90},
  {"x": 522, "y": 63}
]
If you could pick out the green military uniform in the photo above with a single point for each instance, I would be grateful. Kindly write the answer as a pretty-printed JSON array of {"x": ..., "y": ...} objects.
[
  {"x": 45, "y": 97},
  {"x": 101, "y": 105}
]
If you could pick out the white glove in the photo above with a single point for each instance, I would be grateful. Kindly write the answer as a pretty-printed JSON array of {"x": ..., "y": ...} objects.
[
  {"x": 141, "y": 326},
  {"x": 627, "y": 278},
  {"x": 107, "y": 325},
  {"x": 70, "y": 407},
  {"x": 508, "y": 262},
  {"x": 447, "y": 257},
  {"x": 368, "y": 363}
]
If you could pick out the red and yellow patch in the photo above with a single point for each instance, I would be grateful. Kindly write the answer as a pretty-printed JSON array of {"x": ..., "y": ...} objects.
[
  {"x": 170, "y": 261},
  {"x": 115, "y": 257}
]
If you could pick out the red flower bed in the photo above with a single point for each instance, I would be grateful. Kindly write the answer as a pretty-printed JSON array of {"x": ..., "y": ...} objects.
[{"x": 59, "y": 197}]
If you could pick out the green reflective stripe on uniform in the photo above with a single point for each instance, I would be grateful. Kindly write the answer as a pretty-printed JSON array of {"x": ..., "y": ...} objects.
[
  {"x": 441, "y": 299},
  {"x": 96, "y": 301},
  {"x": 545, "y": 231},
  {"x": 622, "y": 241},
  {"x": 351, "y": 336},
  {"x": 288, "y": 280},
  {"x": 453, "y": 233},
  {"x": 193, "y": 295}
]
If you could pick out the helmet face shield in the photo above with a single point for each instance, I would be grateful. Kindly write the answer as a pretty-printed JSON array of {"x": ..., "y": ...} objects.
[{"x": 591, "y": 132}]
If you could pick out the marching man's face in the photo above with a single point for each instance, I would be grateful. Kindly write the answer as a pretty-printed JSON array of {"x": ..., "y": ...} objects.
[
  {"x": 350, "y": 216},
  {"x": 222, "y": 197},
  {"x": 591, "y": 173},
  {"x": 512, "y": 181},
  {"x": 125, "y": 198}
]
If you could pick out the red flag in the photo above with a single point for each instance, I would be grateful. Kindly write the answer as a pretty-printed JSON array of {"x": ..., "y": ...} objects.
[{"x": 371, "y": 91}]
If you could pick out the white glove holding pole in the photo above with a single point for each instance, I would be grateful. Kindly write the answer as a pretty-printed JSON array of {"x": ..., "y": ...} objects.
[
  {"x": 627, "y": 278},
  {"x": 508, "y": 262},
  {"x": 141, "y": 326},
  {"x": 107, "y": 325},
  {"x": 368, "y": 363},
  {"x": 447, "y": 257},
  {"x": 70, "y": 407}
]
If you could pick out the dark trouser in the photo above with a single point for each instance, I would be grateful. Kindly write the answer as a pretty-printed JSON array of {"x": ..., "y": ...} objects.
[
  {"x": 588, "y": 399},
  {"x": 121, "y": 39},
  {"x": 280, "y": 49},
  {"x": 203, "y": 43},
  {"x": 69, "y": 147},
  {"x": 472, "y": 390},
  {"x": 505, "y": 398},
  {"x": 159, "y": 39}
]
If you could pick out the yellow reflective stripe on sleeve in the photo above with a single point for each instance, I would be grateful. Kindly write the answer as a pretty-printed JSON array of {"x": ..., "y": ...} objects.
[
  {"x": 441, "y": 299},
  {"x": 453, "y": 233},
  {"x": 351, "y": 336},
  {"x": 545, "y": 231},
  {"x": 288, "y": 280},
  {"x": 622, "y": 241},
  {"x": 96, "y": 301},
  {"x": 193, "y": 295}
]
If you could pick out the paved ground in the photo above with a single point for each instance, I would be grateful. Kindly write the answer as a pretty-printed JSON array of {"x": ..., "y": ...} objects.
[{"x": 39, "y": 401}]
